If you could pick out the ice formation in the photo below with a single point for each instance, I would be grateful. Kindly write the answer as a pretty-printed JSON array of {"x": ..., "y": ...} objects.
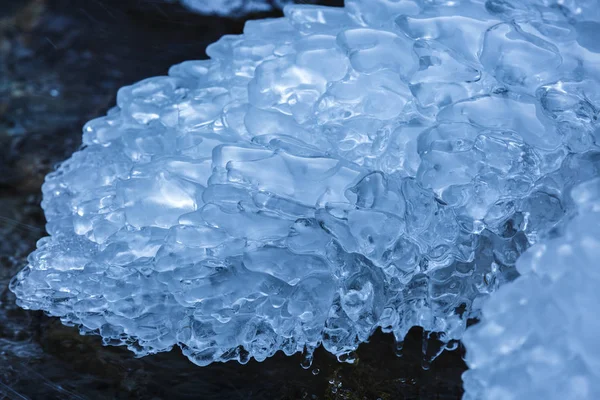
[
  {"x": 539, "y": 334},
  {"x": 323, "y": 175},
  {"x": 232, "y": 7}
]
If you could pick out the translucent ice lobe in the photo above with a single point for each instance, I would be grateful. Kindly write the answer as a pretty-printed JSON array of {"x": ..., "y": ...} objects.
[
  {"x": 323, "y": 175},
  {"x": 538, "y": 335}
]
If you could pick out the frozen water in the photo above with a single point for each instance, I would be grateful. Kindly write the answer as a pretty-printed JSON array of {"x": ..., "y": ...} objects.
[
  {"x": 232, "y": 7},
  {"x": 323, "y": 175},
  {"x": 539, "y": 334}
]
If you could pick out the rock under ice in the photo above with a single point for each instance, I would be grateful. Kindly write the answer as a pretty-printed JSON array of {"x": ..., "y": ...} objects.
[
  {"x": 539, "y": 334},
  {"x": 323, "y": 175}
]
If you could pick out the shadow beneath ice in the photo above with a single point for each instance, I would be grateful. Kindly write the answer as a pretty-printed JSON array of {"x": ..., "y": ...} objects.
[{"x": 70, "y": 366}]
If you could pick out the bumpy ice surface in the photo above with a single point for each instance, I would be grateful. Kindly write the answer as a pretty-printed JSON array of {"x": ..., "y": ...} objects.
[
  {"x": 323, "y": 175},
  {"x": 539, "y": 334}
]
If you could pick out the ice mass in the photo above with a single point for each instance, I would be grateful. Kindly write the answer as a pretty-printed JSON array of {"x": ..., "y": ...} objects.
[{"x": 336, "y": 171}]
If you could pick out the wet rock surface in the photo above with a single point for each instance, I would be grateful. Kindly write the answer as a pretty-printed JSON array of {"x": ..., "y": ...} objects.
[{"x": 61, "y": 63}]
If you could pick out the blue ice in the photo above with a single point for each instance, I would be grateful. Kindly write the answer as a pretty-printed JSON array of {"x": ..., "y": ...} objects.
[
  {"x": 323, "y": 175},
  {"x": 538, "y": 338},
  {"x": 233, "y": 7}
]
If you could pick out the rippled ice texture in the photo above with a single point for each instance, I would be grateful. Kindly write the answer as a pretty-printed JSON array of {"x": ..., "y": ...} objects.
[
  {"x": 322, "y": 175},
  {"x": 539, "y": 334}
]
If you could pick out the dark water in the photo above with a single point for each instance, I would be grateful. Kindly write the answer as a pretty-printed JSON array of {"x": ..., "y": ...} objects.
[{"x": 61, "y": 63}]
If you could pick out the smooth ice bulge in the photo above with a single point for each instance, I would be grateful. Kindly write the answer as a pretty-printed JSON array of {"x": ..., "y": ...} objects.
[
  {"x": 539, "y": 334},
  {"x": 323, "y": 175}
]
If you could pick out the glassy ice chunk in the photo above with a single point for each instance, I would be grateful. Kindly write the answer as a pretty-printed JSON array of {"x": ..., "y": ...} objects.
[
  {"x": 519, "y": 59},
  {"x": 323, "y": 175}
]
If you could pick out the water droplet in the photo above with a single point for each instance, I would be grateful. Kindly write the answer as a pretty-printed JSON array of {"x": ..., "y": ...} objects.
[
  {"x": 452, "y": 345},
  {"x": 425, "y": 364},
  {"x": 399, "y": 347},
  {"x": 307, "y": 360}
]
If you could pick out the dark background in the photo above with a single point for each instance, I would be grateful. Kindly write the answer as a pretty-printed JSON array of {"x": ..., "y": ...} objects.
[{"x": 61, "y": 63}]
